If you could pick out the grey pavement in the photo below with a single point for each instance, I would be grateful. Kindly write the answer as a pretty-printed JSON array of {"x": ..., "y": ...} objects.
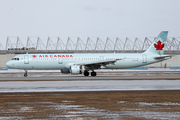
[
  {"x": 99, "y": 77},
  {"x": 95, "y": 85}
]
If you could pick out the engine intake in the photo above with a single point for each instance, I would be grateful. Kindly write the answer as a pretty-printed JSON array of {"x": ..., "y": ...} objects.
[{"x": 76, "y": 69}]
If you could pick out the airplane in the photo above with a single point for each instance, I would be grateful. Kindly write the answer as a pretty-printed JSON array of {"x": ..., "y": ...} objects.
[{"x": 83, "y": 63}]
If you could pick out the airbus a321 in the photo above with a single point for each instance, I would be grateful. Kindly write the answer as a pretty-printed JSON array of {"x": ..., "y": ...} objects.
[{"x": 83, "y": 63}]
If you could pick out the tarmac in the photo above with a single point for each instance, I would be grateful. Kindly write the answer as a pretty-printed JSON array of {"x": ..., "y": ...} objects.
[
  {"x": 57, "y": 76},
  {"x": 97, "y": 85},
  {"x": 104, "y": 81},
  {"x": 105, "y": 77}
]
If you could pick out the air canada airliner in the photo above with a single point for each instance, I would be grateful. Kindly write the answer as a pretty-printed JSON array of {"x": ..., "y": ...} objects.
[{"x": 83, "y": 63}]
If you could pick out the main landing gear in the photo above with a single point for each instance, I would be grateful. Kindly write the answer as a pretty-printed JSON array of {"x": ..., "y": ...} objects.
[
  {"x": 93, "y": 73},
  {"x": 86, "y": 73},
  {"x": 25, "y": 74}
]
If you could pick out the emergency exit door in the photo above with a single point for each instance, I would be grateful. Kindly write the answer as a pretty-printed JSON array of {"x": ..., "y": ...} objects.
[
  {"x": 60, "y": 60},
  {"x": 101, "y": 57}
]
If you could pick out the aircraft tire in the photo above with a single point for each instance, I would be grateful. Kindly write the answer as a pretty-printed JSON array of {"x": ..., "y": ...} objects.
[
  {"x": 86, "y": 73},
  {"x": 93, "y": 73},
  {"x": 25, "y": 75}
]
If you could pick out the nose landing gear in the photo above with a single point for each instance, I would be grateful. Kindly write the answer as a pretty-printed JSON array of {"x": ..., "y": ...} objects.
[{"x": 25, "y": 74}]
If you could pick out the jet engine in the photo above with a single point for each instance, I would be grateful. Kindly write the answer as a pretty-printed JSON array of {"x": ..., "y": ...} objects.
[
  {"x": 76, "y": 69},
  {"x": 65, "y": 71}
]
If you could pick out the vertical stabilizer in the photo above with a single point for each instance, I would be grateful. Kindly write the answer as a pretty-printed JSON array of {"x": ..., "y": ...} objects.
[{"x": 158, "y": 45}]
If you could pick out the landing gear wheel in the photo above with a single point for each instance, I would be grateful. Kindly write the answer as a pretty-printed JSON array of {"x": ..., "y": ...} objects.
[
  {"x": 93, "y": 73},
  {"x": 86, "y": 73},
  {"x": 25, "y": 74}
]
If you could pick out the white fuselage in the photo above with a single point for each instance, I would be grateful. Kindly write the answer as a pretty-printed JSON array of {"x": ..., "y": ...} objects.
[{"x": 64, "y": 61}]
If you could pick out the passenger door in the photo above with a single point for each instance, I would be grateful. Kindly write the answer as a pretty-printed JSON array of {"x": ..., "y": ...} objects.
[
  {"x": 26, "y": 59},
  {"x": 144, "y": 57}
]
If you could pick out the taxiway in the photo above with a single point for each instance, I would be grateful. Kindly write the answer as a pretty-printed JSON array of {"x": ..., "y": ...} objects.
[
  {"x": 55, "y": 82},
  {"x": 107, "y": 76},
  {"x": 96, "y": 85}
]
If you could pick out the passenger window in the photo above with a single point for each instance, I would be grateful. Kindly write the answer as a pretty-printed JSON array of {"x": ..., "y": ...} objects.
[{"x": 17, "y": 58}]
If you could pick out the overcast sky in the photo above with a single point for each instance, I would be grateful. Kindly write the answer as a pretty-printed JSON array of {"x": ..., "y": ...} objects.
[{"x": 83, "y": 18}]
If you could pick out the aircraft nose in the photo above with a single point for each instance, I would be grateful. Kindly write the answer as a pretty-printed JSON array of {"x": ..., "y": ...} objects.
[{"x": 8, "y": 64}]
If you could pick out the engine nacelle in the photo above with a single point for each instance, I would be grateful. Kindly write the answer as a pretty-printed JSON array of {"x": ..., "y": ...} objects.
[
  {"x": 76, "y": 69},
  {"x": 65, "y": 71}
]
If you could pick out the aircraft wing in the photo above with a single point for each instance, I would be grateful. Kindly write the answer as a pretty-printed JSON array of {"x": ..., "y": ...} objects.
[{"x": 99, "y": 63}]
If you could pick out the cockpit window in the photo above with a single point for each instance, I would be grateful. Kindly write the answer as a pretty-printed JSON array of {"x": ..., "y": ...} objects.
[{"x": 15, "y": 59}]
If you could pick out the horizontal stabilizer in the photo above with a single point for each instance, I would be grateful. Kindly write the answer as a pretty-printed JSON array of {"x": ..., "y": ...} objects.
[{"x": 162, "y": 57}]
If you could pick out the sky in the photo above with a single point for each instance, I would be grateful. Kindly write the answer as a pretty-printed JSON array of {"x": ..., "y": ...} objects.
[{"x": 88, "y": 18}]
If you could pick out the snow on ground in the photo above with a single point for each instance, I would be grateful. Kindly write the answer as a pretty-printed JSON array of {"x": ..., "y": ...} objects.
[{"x": 69, "y": 111}]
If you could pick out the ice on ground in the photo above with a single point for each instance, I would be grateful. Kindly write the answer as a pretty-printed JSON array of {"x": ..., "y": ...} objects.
[
  {"x": 154, "y": 115},
  {"x": 121, "y": 102},
  {"x": 11, "y": 118},
  {"x": 67, "y": 101},
  {"x": 27, "y": 109},
  {"x": 151, "y": 104}
]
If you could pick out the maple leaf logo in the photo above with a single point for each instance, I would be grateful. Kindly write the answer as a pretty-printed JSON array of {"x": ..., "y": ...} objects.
[
  {"x": 159, "y": 46},
  {"x": 34, "y": 56}
]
